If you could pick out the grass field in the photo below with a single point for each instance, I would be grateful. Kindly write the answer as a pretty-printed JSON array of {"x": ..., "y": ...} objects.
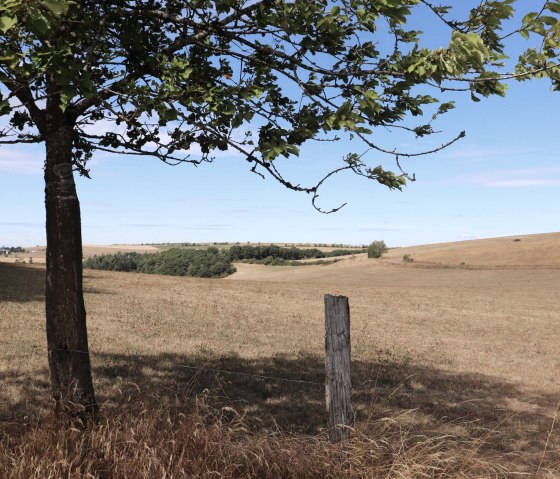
[
  {"x": 531, "y": 251},
  {"x": 455, "y": 369}
]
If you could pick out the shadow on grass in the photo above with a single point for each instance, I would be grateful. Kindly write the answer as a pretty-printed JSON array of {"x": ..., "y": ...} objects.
[
  {"x": 24, "y": 283},
  {"x": 427, "y": 401},
  {"x": 21, "y": 283}
]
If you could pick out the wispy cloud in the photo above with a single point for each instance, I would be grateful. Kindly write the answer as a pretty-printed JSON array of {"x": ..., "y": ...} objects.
[
  {"x": 23, "y": 225},
  {"x": 381, "y": 227},
  {"x": 523, "y": 183},
  {"x": 363, "y": 227},
  {"x": 516, "y": 178},
  {"x": 237, "y": 211},
  {"x": 173, "y": 226},
  {"x": 473, "y": 152},
  {"x": 16, "y": 161}
]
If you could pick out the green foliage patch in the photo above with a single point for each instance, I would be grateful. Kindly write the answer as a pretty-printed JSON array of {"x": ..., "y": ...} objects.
[
  {"x": 263, "y": 252},
  {"x": 376, "y": 249},
  {"x": 206, "y": 263},
  {"x": 270, "y": 261},
  {"x": 12, "y": 249}
]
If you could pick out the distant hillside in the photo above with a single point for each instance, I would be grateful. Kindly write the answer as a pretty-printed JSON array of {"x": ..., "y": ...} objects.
[
  {"x": 529, "y": 251},
  {"x": 540, "y": 251}
]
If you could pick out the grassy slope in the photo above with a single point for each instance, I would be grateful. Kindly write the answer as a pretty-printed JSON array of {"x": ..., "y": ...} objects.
[
  {"x": 471, "y": 354},
  {"x": 542, "y": 250}
]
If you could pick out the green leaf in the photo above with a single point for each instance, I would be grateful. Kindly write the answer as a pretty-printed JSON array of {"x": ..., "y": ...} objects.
[
  {"x": 474, "y": 97},
  {"x": 58, "y": 7},
  {"x": 5, "y": 107},
  {"x": 548, "y": 20},
  {"x": 7, "y": 22},
  {"x": 553, "y": 7},
  {"x": 66, "y": 95},
  {"x": 40, "y": 24}
]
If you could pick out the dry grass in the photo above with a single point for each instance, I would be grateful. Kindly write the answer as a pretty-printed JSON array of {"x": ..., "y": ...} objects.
[
  {"x": 149, "y": 439},
  {"x": 38, "y": 253},
  {"x": 455, "y": 374},
  {"x": 530, "y": 251}
]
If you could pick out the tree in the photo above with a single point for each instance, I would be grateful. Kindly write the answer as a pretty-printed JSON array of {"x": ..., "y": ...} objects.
[
  {"x": 261, "y": 77},
  {"x": 376, "y": 249}
]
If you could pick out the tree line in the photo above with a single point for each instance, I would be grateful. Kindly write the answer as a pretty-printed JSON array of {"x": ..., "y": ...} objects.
[
  {"x": 237, "y": 253},
  {"x": 12, "y": 249},
  {"x": 207, "y": 263}
]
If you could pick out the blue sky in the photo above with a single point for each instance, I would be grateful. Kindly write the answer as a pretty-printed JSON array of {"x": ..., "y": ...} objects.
[{"x": 502, "y": 179}]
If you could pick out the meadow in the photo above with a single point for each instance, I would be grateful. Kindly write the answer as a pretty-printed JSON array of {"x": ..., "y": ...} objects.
[{"x": 456, "y": 360}]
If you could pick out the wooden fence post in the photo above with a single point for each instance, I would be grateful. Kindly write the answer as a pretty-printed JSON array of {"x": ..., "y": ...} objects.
[{"x": 338, "y": 386}]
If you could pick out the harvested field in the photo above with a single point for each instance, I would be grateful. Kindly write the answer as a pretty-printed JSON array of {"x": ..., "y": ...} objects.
[
  {"x": 38, "y": 253},
  {"x": 530, "y": 251},
  {"x": 460, "y": 363}
]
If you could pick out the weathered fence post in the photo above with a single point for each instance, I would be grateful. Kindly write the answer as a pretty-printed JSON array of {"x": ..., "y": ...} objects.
[{"x": 338, "y": 387}]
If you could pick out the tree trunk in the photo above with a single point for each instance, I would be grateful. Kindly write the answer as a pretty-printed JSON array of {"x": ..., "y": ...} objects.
[{"x": 69, "y": 361}]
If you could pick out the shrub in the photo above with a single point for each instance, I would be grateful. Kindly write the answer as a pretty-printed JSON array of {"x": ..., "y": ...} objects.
[
  {"x": 376, "y": 249},
  {"x": 407, "y": 258},
  {"x": 114, "y": 262}
]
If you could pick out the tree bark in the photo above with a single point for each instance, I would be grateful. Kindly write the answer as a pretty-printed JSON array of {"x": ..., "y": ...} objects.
[{"x": 69, "y": 362}]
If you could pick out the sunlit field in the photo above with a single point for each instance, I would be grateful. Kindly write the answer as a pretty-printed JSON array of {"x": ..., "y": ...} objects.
[{"x": 456, "y": 358}]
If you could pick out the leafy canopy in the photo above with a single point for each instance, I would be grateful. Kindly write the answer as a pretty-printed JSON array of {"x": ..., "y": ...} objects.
[{"x": 164, "y": 78}]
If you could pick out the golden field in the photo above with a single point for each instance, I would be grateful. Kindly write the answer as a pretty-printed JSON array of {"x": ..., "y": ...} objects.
[
  {"x": 530, "y": 251},
  {"x": 455, "y": 367}
]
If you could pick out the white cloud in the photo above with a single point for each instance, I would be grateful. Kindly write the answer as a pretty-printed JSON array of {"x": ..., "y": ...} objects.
[{"x": 473, "y": 152}]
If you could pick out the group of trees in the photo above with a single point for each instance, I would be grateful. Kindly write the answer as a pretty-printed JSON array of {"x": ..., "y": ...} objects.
[
  {"x": 165, "y": 78},
  {"x": 271, "y": 261},
  {"x": 237, "y": 253},
  {"x": 204, "y": 263},
  {"x": 12, "y": 249}
]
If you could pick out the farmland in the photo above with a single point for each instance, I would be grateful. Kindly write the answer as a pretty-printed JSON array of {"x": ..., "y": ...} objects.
[{"x": 455, "y": 355}]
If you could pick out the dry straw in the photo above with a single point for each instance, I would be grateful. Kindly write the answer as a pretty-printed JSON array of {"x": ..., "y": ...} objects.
[{"x": 148, "y": 438}]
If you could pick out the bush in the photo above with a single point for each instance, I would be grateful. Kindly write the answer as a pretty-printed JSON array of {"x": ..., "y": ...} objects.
[
  {"x": 407, "y": 258},
  {"x": 114, "y": 262},
  {"x": 376, "y": 249}
]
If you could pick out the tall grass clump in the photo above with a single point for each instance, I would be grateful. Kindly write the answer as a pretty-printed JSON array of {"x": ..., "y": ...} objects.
[{"x": 150, "y": 438}]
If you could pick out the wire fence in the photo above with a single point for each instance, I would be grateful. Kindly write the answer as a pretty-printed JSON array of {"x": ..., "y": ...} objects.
[
  {"x": 370, "y": 385},
  {"x": 179, "y": 365}
]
